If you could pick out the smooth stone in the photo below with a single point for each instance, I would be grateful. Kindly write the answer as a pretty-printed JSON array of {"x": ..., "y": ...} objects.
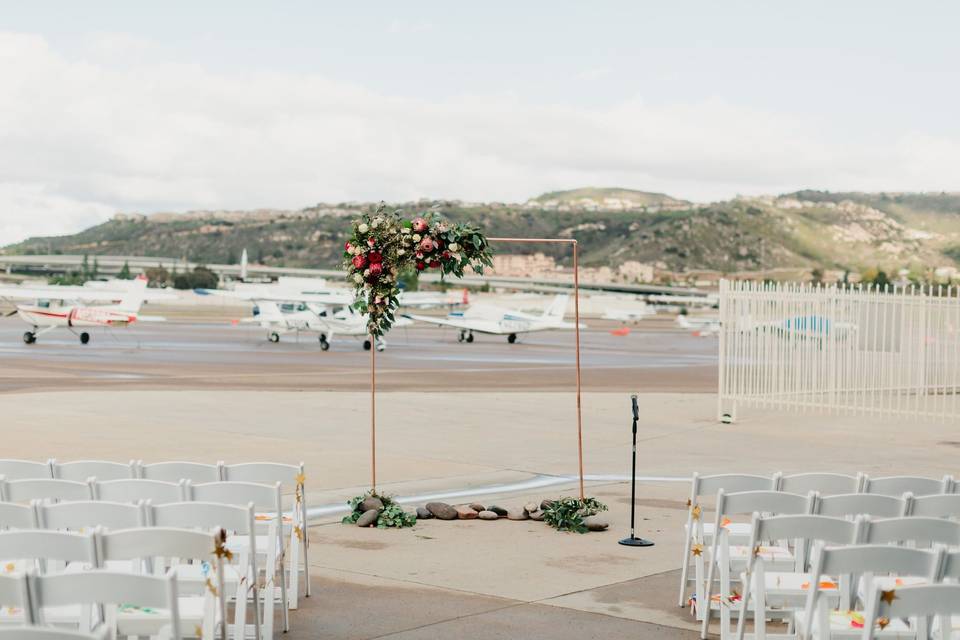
[
  {"x": 517, "y": 514},
  {"x": 500, "y": 511},
  {"x": 423, "y": 513},
  {"x": 595, "y": 523},
  {"x": 442, "y": 510},
  {"x": 371, "y": 503},
  {"x": 531, "y": 507},
  {"x": 464, "y": 512},
  {"x": 538, "y": 516},
  {"x": 488, "y": 515},
  {"x": 546, "y": 504},
  {"x": 476, "y": 506},
  {"x": 368, "y": 518}
]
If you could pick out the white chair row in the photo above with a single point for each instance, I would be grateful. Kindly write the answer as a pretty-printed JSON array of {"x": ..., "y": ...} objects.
[
  {"x": 826, "y": 484},
  {"x": 45, "y": 633},
  {"x": 291, "y": 529}
]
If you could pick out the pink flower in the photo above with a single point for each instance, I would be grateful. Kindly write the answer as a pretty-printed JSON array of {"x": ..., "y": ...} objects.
[
  {"x": 426, "y": 245},
  {"x": 419, "y": 225},
  {"x": 359, "y": 262},
  {"x": 346, "y": 246},
  {"x": 371, "y": 241}
]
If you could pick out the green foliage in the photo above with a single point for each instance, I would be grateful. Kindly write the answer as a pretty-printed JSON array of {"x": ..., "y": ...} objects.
[
  {"x": 200, "y": 278},
  {"x": 567, "y": 514},
  {"x": 124, "y": 273},
  {"x": 391, "y": 516}
]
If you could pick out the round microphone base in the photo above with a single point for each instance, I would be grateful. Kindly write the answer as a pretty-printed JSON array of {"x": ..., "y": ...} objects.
[{"x": 636, "y": 542}]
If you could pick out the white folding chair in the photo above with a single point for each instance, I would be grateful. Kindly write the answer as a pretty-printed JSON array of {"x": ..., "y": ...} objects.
[
  {"x": 916, "y": 485},
  {"x": 24, "y": 469},
  {"x": 135, "y": 490},
  {"x": 914, "y": 530},
  {"x": 17, "y": 516},
  {"x": 82, "y": 470},
  {"x": 14, "y": 601},
  {"x": 193, "y": 556},
  {"x": 175, "y": 471},
  {"x": 727, "y": 557},
  {"x": 936, "y": 506},
  {"x": 270, "y": 544},
  {"x": 46, "y": 633},
  {"x": 90, "y": 514},
  {"x": 825, "y": 484},
  {"x": 43, "y": 489},
  {"x": 784, "y": 592},
  {"x": 857, "y": 504},
  {"x": 240, "y": 569},
  {"x": 917, "y": 602},
  {"x": 290, "y": 477},
  {"x": 697, "y": 533},
  {"x": 860, "y": 562},
  {"x": 119, "y": 593}
]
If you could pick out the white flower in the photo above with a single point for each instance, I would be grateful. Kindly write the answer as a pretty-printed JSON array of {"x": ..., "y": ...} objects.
[
  {"x": 375, "y": 223},
  {"x": 405, "y": 230},
  {"x": 400, "y": 252},
  {"x": 454, "y": 246},
  {"x": 416, "y": 237},
  {"x": 357, "y": 278},
  {"x": 362, "y": 228},
  {"x": 366, "y": 272},
  {"x": 455, "y": 256}
]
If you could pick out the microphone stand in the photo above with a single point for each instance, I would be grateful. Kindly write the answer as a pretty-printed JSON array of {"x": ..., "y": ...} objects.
[{"x": 633, "y": 540}]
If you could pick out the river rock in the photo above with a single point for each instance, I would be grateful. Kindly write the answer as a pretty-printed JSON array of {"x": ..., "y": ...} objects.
[
  {"x": 464, "y": 512},
  {"x": 595, "y": 523},
  {"x": 442, "y": 510},
  {"x": 423, "y": 513},
  {"x": 537, "y": 515},
  {"x": 500, "y": 511},
  {"x": 517, "y": 514},
  {"x": 372, "y": 502},
  {"x": 531, "y": 507},
  {"x": 476, "y": 506},
  {"x": 544, "y": 505},
  {"x": 368, "y": 518},
  {"x": 488, "y": 515}
]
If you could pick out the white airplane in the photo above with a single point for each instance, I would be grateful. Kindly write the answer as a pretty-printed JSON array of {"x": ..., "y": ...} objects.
[
  {"x": 628, "y": 315},
  {"x": 483, "y": 318},
  {"x": 700, "y": 326},
  {"x": 300, "y": 316},
  {"x": 63, "y": 306}
]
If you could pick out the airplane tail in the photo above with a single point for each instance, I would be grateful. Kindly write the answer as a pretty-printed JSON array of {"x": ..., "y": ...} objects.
[
  {"x": 243, "y": 266},
  {"x": 133, "y": 297},
  {"x": 558, "y": 308}
]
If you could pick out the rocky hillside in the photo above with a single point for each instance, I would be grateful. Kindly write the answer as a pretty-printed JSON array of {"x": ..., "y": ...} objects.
[{"x": 804, "y": 229}]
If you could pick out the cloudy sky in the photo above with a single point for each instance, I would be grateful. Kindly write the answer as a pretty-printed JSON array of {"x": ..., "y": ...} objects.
[{"x": 123, "y": 106}]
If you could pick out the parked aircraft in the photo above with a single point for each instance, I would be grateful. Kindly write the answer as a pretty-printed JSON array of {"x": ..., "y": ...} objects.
[
  {"x": 628, "y": 315},
  {"x": 490, "y": 319},
  {"x": 293, "y": 317},
  {"x": 65, "y": 306},
  {"x": 699, "y": 326}
]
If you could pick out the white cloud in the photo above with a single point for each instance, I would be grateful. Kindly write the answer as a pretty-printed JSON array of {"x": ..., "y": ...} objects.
[{"x": 84, "y": 139}]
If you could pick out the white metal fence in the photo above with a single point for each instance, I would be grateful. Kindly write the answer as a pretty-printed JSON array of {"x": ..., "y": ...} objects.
[{"x": 840, "y": 349}]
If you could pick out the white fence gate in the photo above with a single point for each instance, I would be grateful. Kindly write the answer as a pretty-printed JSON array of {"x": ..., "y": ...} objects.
[{"x": 840, "y": 349}]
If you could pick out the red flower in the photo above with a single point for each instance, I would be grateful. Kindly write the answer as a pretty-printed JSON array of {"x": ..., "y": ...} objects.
[
  {"x": 375, "y": 269},
  {"x": 434, "y": 264},
  {"x": 419, "y": 225},
  {"x": 438, "y": 243},
  {"x": 446, "y": 255},
  {"x": 420, "y": 265},
  {"x": 371, "y": 241},
  {"x": 375, "y": 257},
  {"x": 359, "y": 262}
]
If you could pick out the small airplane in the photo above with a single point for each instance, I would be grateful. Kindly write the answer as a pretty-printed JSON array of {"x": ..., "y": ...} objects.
[
  {"x": 483, "y": 318},
  {"x": 628, "y": 315},
  {"x": 299, "y": 316},
  {"x": 45, "y": 316},
  {"x": 700, "y": 326}
]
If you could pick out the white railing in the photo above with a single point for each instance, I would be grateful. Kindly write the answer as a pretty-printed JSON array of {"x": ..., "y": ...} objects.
[{"x": 840, "y": 349}]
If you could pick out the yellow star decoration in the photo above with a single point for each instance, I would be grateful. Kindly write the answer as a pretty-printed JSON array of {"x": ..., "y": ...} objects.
[
  {"x": 689, "y": 502},
  {"x": 888, "y": 596},
  {"x": 212, "y": 589},
  {"x": 300, "y": 479},
  {"x": 696, "y": 549},
  {"x": 219, "y": 549},
  {"x": 298, "y": 532},
  {"x": 882, "y": 623},
  {"x": 695, "y": 511},
  {"x": 198, "y": 631},
  {"x": 756, "y": 551}
]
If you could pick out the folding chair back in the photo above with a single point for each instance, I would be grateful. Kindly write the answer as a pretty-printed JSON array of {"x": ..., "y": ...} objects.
[
  {"x": 82, "y": 470},
  {"x": 855, "y": 504},
  {"x": 90, "y": 514},
  {"x": 175, "y": 471},
  {"x": 936, "y": 506},
  {"x": 135, "y": 490},
  {"x": 263, "y": 496},
  {"x": 289, "y": 475},
  {"x": 44, "y": 489},
  {"x": 918, "y": 602},
  {"x": 50, "y": 633},
  {"x": 24, "y": 469},
  {"x": 825, "y": 484},
  {"x": 951, "y": 566},
  {"x": 41, "y": 545},
  {"x": 13, "y": 595},
  {"x": 150, "y": 542},
  {"x": 898, "y": 485},
  {"x": 912, "y": 529},
  {"x": 17, "y": 516},
  {"x": 203, "y": 515}
]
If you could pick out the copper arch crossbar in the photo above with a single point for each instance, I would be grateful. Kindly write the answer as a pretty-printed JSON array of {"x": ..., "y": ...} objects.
[{"x": 576, "y": 311}]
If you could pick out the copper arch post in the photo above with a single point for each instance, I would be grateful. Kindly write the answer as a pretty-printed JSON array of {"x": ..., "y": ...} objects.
[{"x": 576, "y": 310}]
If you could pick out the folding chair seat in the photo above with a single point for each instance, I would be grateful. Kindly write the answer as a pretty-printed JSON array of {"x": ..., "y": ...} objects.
[
  {"x": 14, "y": 601},
  {"x": 24, "y": 469},
  {"x": 899, "y": 485},
  {"x": 780, "y": 593},
  {"x": 137, "y": 489},
  {"x": 730, "y": 559},
  {"x": 239, "y": 570},
  {"x": 134, "y": 605},
  {"x": 82, "y": 470},
  {"x": 697, "y": 532},
  {"x": 47, "y": 489},
  {"x": 819, "y": 621},
  {"x": 176, "y": 471},
  {"x": 269, "y": 543},
  {"x": 290, "y": 477},
  {"x": 189, "y": 554}
]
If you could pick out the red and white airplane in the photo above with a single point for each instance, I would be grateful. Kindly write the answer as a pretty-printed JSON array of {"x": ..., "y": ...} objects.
[{"x": 66, "y": 307}]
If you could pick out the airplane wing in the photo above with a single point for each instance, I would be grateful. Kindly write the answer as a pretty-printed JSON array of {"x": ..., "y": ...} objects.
[
  {"x": 60, "y": 293},
  {"x": 480, "y": 326},
  {"x": 336, "y": 299},
  {"x": 151, "y": 319}
]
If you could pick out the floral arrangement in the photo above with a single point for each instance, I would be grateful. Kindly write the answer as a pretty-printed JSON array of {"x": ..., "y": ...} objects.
[
  {"x": 384, "y": 244},
  {"x": 567, "y": 514},
  {"x": 391, "y": 515}
]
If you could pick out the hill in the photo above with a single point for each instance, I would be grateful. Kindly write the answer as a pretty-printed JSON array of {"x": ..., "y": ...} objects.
[{"x": 805, "y": 229}]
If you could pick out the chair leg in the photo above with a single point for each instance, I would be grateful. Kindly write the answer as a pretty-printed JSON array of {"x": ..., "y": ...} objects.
[{"x": 685, "y": 566}]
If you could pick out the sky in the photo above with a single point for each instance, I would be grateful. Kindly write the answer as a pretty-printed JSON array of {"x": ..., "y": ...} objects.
[{"x": 122, "y": 106}]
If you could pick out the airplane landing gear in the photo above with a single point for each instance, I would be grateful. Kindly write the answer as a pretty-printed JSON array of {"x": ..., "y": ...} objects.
[
  {"x": 462, "y": 336},
  {"x": 274, "y": 337},
  {"x": 469, "y": 337},
  {"x": 324, "y": 343},
  {"x": 381, "y": 344},
  {"x": 512, "y": 338},
  {"x": 29, "y": 337},
  {"x": 84, "y": 338},
  {"x": 366, "y": 345}
]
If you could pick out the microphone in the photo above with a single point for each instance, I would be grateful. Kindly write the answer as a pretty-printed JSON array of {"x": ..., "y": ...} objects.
[{"x": 636, "y": 408}]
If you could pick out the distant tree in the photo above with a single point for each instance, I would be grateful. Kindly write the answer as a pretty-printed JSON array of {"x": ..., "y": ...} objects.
[
  {"x": 200, "y": 278},
  {"x": 881, "y": 280},
  {"x": 124, "y": 273},
  {"x": 85, "y": 268},
  {"x": 816, "y": 276},
  {"x": 157, "y": 276},
  {"x": 95, "y": 270},
  {"x": 232, "y": 257}
]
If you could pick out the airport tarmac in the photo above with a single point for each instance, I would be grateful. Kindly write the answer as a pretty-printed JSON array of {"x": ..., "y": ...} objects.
[{"x": 184, "y": 354}]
